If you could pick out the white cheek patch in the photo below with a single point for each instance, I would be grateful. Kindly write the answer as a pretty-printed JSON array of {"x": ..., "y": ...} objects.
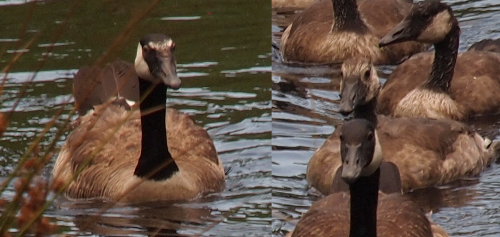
[
  {"x": 376, "y": 160},
  {"x": 141, "y": 67},
  {"x": 438, "y": 29}
]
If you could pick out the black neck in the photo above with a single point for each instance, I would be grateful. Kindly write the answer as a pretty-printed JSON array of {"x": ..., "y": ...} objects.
[
  {"x": 364, "y": 199},
  {"x": 347, "y": 16},
  {"x": 367, "y": 111},
  {"x": 155, "y": 161},
  {"x": 445, "y": 57}
]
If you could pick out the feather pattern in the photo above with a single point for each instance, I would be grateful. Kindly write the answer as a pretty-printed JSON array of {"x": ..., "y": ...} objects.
[{"x": 311, "y": 39}]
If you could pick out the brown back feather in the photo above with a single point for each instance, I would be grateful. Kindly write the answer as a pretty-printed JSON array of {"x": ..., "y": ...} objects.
[{"x": 396, "y": 216}]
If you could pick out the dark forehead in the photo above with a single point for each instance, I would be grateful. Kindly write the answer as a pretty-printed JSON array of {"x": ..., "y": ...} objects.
[
  {"x": 429, "y": 7},
  {"x": 356, "y": 129}
]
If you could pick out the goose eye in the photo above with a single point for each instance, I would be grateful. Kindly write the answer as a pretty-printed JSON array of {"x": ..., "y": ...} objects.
[
  {"x": 146, "y": 49},
  {"x": 367, "y": 74},
  {"x": 370, "y": 136}
]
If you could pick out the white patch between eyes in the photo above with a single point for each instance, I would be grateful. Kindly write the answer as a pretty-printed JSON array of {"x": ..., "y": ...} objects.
[{"x": 163, "y": 45}]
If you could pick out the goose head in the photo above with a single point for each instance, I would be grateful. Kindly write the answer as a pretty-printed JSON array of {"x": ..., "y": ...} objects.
[
  {"x": 155, "y": 60},
  {"x": 359, "y": 85},
  {"x": 429, "y": 21},
  {"x": 360, "y": 150}
]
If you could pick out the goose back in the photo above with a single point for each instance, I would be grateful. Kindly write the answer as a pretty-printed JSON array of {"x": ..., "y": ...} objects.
[
  {"x": 311, "y": 39},
  {"x": 105, "y": 146}
]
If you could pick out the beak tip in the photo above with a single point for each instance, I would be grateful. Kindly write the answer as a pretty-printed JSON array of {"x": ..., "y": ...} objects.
[
  {"x": 345, "y": 109},
  {"x": 174, "y": 83}
]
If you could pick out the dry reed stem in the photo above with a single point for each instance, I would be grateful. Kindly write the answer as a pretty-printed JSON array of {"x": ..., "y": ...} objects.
[{"x": 3, "y": 123}]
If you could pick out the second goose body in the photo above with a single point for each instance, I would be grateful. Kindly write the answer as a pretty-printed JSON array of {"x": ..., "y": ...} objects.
[{"x": 331, "y": 31}]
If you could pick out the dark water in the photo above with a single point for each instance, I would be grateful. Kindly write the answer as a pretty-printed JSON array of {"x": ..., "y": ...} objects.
[
  {"x": 224, "y": 61},
  {"x": 305, "y": 105}
]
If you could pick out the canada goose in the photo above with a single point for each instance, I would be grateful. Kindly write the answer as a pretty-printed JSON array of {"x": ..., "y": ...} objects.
[
  {"x": 427, "y": 152},
  {"x": 414, "y": 89},
  {"x": 364, "y": 212},
  {"x": 486, "y": 45},
  {"x": 118, "y": 153},
  {"x": 320, "y": 35}
]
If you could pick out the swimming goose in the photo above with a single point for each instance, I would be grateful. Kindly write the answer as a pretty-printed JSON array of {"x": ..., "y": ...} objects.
[
  {"x": 119, "y": 153},
  {"x": 362, "y": 210},
  {"x": 439, "y": 84},
  {"x": 322, "y": 35},
  {"x": 427, "y": 152}
]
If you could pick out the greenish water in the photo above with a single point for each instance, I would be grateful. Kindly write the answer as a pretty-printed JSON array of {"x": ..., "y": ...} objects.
[{"x": 224, "y": 61}]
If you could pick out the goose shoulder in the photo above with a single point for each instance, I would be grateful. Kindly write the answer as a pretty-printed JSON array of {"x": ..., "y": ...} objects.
[{"x": 324, "y": 163}]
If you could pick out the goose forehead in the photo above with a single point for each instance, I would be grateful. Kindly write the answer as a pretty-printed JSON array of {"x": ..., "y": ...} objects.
[
  {"x": 161, "y": 45},
  {"x": 352, "y": 67}
]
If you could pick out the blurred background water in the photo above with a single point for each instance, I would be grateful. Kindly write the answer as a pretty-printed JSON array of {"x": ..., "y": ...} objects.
[
  {"x": 305, "y": 112},
  {"x": 224, "y": 61}
]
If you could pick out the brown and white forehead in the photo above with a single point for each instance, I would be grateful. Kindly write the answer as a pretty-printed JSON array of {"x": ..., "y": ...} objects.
[
  {"x": 355, "y": 66},
  {"x": 159, "y": 42}
]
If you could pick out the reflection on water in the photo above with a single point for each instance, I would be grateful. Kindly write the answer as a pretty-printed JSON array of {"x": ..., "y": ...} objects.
[
  {"x": 305, "y": 105},
  {"x": 225, "y": 76}
]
